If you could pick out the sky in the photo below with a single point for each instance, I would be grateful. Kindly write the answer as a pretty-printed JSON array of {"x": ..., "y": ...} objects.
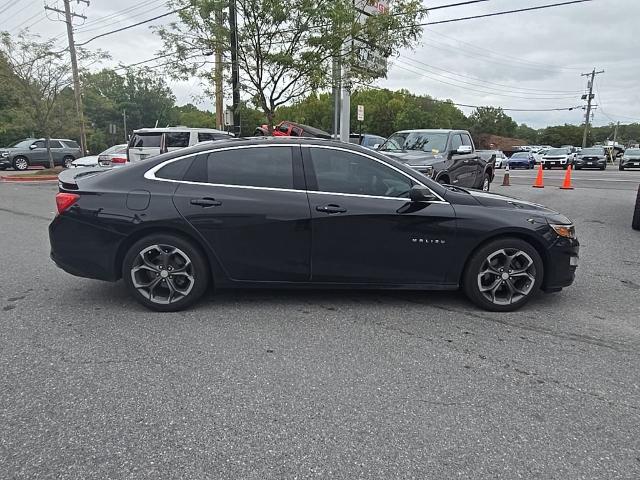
[{"x": 530, "y": 60}]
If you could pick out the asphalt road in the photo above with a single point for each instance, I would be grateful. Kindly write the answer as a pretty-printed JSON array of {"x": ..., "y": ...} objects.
[{"x": 281, "y": 384}]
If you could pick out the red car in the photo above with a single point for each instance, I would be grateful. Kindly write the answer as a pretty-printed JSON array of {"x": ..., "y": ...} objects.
[{"x": 291, "y": 129}]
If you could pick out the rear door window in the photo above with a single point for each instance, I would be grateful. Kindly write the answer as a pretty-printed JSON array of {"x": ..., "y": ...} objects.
[
  {"x": 151, "y": 139},
  {"x": 178, "y": 139},
  {"x": 70, "y": 144},
  {"x": 208, "y": 136},
  {"x": 270, "y": 167},
  {"x": 55, "y": 144},
  {"x": 175, "y": 170}
]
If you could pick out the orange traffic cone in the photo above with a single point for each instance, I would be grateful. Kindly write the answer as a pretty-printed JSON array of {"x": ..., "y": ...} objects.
[
  {"x": 539, "y": 183},
  {"x": 566, "y": 185},
  {"x": 505, "y": 180}
]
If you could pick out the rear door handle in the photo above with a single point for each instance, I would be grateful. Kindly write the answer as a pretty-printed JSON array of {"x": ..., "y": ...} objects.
[
  {"x": 205, "y": 202},
  {"x": 331, "y": 208}
]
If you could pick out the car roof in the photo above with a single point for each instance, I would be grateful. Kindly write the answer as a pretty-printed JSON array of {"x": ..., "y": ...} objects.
[
  {"x": 430, "y": 130},
  {"x": 180, "y": 129}
]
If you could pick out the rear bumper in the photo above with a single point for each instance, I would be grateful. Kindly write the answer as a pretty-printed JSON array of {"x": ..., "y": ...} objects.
[
  {"x": 84, "y": 250},
  {"x": 561, "y": 265}
]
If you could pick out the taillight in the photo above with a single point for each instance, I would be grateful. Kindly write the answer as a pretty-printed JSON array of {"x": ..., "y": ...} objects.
[
  {"x": 65, "y": 200},
  {"x": 118, "y": 160}
]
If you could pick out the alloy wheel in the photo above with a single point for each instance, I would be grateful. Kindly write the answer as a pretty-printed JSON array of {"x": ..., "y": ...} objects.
[
  {"x": 68, "y": 162},
  {"x": 506, "y": 276},
  {"x": 21, "y": 163},
  {"x": 486, "y": 184},
  {"x": 163, "y": 274}
]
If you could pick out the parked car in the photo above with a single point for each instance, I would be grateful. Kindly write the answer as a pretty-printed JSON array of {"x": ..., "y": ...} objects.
[
  {"x": 88, "y": 161},
  {"x": 113, "y": 156},
  {"x": 33, "y": 152},
  {"x": 558, "y": 157},
  {"x": 537, "y": 156},
  {"x": 291, "y": 129},
  {"x": 630, "y": 159},
  {"x": 594, "y": 157},
  {"x": 367, "y": 140},
  {"x": 498, "y": 157},
  {"x": 447, "y": 156},
  {"x": 246, "y": 214},
  {"x": 149, "y": 142},
  {"x": 521, "y": 160}
]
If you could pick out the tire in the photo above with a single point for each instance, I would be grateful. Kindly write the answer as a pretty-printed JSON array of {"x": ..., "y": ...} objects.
[
  {"x": 508, "y": 294},
  {"x": 486, "y": 183},
  {"x": 621, "y": 168},
  {"x": 66, "y": 161},
  {"x": 20, "y": 163},
  {"x": 150, "y": 280},
  {"x": 635, "y": 224},
  {"x": 603, "y": 168},
  {"x": 444, "y": 181}
]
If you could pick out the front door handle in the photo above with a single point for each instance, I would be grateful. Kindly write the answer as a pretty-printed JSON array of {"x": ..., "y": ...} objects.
[
  {"x": 205, "y": 202},
  {"x": 331, "y": 208}
]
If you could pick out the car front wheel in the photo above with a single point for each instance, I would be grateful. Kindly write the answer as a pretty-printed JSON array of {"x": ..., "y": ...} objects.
[
  {"x": 486, "y": 183},
  {"x": 20, "y": 163},
  {"x": 165, "y": 273},
  {"x": 503, "y": 275}
]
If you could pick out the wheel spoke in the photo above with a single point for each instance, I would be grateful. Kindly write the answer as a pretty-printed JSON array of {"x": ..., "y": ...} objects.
[{"x": 491, "y": 287}]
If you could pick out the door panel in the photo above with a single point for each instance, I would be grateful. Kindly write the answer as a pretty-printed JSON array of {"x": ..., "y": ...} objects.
[
  {"x": 258, "y": 235},
  {"x": 377, "y": 240}
]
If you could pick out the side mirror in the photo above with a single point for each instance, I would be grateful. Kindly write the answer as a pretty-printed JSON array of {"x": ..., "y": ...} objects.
[
  {"x": 377, "y": 146},
  {"x": 464, "y": 149},
  {"x": 418, "y": 194},
  {"x": 32, "y": 146}
]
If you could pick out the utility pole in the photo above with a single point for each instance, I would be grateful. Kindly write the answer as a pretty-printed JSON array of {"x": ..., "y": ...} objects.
[
  {"x": 336, "y": 98},
  {"x": 124, "y": 120},
  {"x": 345, "y": 108},
  {"x": 68, "y": 19},
  {"x": 615, "y": 139},
  {"x": 235, "y": 68},
  {"x": 589, "y": 98},
  {"x": 218, "y": 73}
]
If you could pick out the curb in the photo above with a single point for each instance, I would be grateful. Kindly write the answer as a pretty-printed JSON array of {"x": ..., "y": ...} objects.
[{"x": 37, "y": 178}]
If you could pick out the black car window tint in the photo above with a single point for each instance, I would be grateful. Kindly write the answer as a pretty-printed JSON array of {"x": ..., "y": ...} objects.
[
  {"x": 207, "y": 136},
  {"x": 177, "y": 139},
  {"x": 270, "y": 167},
  {"x": 55, "y": 144},
  {"x": 175, "y": 170},
  {"x": 456, "y": 141},
  {"x": 146, "y": 140},
  {"x": 338, "y": 171}
]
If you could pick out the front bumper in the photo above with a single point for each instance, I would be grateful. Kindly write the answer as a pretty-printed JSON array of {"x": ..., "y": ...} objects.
[
  {"x": 562, "y": 262},
  {"x": 5, "y": 162},
  {"x": 630, "y": 163},
  {"x": 593, "y": 163}
]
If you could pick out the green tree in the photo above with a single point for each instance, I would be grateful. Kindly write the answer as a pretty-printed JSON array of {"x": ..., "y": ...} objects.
[
  {"x": 285, "y": 49},
  {"x": 527, "y": 133},
  {"x": 491, "y": 120},
  {"x": 563, "y": 135}
]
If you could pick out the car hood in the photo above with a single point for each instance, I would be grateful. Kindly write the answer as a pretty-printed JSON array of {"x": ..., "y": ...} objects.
[
  {"x": 494, "y": 200},
  {"x": 10, "y": 150},
  {"x": 90, "y": 161},
  {"x": 414, "y": 157}
]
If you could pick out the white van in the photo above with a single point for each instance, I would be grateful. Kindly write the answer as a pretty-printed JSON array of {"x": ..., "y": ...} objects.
[{"x": 149, "y": 142}]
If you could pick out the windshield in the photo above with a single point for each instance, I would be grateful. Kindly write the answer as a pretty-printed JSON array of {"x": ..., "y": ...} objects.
[
  {"x": 633, "y": 151},
  {"x": 592, "y": 151},
  {"x": 422, "y": 141},
  {"x": 22, "y": 144},
  {"x": 145, "y": 140},
  {"x": 520, "y": 155},
  {"x": 557, "y": 151}
]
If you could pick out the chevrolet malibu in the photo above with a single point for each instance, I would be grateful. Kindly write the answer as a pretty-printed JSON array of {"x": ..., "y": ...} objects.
[{"x": 285, "y": 212}]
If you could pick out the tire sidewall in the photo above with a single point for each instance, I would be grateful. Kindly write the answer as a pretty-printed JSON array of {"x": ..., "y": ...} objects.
[
  {"x": 198, "y": 260},
  {"x": 470, "y": 276},
  {"x": 68, "y": 160}
]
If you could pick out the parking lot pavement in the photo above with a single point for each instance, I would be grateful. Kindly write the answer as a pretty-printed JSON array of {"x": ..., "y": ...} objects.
[
  {"x": 281, "y": 384},
  {"x": 609, "y": 179}
]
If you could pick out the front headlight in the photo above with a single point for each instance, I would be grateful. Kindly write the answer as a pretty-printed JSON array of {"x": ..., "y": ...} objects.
[
  {"x": 4, "y": 154},
  {"x": 566, "y": 231}
]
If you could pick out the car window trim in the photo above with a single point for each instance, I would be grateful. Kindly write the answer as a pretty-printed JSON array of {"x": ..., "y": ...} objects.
[{"x": 150, "y": 174}]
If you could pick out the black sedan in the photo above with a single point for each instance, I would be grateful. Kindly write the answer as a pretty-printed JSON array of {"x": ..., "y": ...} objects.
[{"x": 301, "y": 213}]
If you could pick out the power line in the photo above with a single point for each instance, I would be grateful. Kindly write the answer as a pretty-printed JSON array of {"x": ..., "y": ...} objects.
[
  {"x": 133, "y": 25},
  {"x": 531, "y": 91},
  {"x": 477, "y": 90}
]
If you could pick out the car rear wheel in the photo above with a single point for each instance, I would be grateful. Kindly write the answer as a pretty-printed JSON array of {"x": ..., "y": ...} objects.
[
  {"x": 165, "y": 273},
  {"x": 67, "y": 162},
  {"x": 20, "y": 163},
  {"x": 620, "y": 167},
  {"x": 503, "y": 275}
]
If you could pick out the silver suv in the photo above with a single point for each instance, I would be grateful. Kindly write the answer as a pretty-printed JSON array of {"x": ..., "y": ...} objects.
[{"x": 33, "y": 152}]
